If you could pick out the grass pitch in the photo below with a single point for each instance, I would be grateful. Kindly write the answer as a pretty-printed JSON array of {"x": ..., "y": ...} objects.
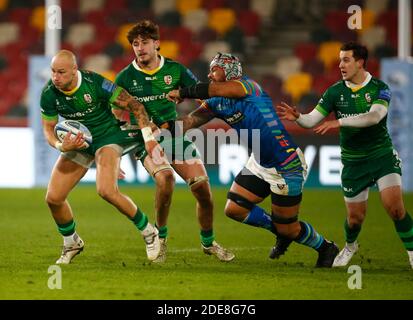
[{"x": 114, "y": 265}]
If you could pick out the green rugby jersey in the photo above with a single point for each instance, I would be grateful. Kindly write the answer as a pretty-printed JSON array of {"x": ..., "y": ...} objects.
[
  {"x": 150, "y": 87},
  {"x": 89, "y": 103},
  {"x": 359, "y": 143}
]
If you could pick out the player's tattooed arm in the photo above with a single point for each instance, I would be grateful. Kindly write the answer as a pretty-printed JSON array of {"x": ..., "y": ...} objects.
[
  {"x": 128, "y": 102},
  {"x": 197, "y": 118}
]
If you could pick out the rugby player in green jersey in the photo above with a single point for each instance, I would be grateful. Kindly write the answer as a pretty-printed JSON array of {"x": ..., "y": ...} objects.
[
  {"x": 149, "y": 78},
  {"x": 86, "y": 97},
  {"x": 360, "y": 104}
]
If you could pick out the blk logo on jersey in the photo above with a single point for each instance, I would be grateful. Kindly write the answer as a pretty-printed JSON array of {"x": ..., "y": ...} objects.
[
  {"x": 368, "y": 98},
  {"x": 167, "y": 79},
  {"x": 87, "y": 97}
]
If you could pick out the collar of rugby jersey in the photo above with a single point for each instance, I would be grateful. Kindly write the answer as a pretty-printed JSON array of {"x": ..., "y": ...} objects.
[
  {"x": 79, "y": 82},
  {"x": 355, "y": 87},
  {"x": 150, "y": 72}
]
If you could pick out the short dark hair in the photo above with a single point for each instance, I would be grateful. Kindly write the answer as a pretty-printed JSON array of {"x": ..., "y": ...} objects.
[
  {"x": 146, "y": 29},
  {"x": 359, "y": 51}
]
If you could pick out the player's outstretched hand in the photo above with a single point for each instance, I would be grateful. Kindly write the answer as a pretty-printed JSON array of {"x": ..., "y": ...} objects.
[
  {"x": 327, "y": 125},
  {"x": 286, "y": 112},
  {"x": 70, "y": 142},
  {"x": 174, "y": 96}
]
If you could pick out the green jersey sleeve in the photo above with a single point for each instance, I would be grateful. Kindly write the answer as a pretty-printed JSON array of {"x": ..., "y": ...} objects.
[
  {"x": 108, "y": 91},
  {"x": 325, "y": 104},
  {"x": 119, "y": 83},
  {"x": 48, "y": 109},
  {"x": 384, "y": 95},
  {"x": 187, "y": 77}
]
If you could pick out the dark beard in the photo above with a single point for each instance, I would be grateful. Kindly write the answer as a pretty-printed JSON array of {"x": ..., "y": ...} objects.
[{"x": 141, "y": 62}]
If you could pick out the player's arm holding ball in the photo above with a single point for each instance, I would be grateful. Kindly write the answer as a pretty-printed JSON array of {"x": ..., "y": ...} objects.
[{"x": 69, "y": 143}]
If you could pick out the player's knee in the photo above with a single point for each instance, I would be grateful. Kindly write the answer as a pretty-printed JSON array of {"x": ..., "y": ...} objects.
[
  {"x": 53, "y": 198},
  {"x": 356, "y": 218},
  {"x": 199, "y": 184},
  {"x": 231, "y": 210},
  {"x": 201, "y": 190},
  {"x": 165, "y": 180},
  {"x": 396, "y": 212},
  {"x": 107, "y": 193},
  {"x": 237, "y": 206}
]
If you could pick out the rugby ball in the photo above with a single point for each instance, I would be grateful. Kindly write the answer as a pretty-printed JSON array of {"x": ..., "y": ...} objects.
[{"x": 62, "y": 128}]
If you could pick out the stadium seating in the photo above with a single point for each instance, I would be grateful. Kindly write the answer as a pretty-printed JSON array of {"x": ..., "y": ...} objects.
[
  {"x": 328, "y": 53},
  {"x": 192, "y": 31},
  {"x": 121, "y": 62},
  {"x": 388, "y": 20},
  {"x": 307, "y": 102},
  {"x": 98, "y": 63},
  {"x": 3, "y": 63},
  {"x": 235, "y": 38},
  {"x": 80, "y": 34},
  {"x": 170, "y": 19},
  {"x": 90, "y": 5},
  {"x": 368, "y": 18},
  {"x": 9, "y": 33},
  {"x": 185, "y": 6},
  {"x": 323, "y": 81},
  {"x": 314, "y": 67},
  {"x": 376, "y": 6},
  {"x": 3, "y": 4},
  {"x": 264, "y": 8},
  {"x": 336, "y": 21},
  {"x": 121, "y": 35},
  {"x": 287, "y": 66},
  {"x": 170, "y": 49},
  {"x": 37, "y": 19},
  {"x": 139, "y": 5},
  {"x": 109, "y": 74},
  {"x": 221, "y": 20},
  {"x": 250, "y": 22},
  {"x": 297, "y": 85},
  {"x": 160, "y": 7},
  {"x": 213, "y": 4},
  {"x": 195, "y": 20},
  {"x": 373, "y": 37},
  {"x": 20, "y": 15},
  {"x": 211, "y": 49},
  {"x": 307, "y": 52}
]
